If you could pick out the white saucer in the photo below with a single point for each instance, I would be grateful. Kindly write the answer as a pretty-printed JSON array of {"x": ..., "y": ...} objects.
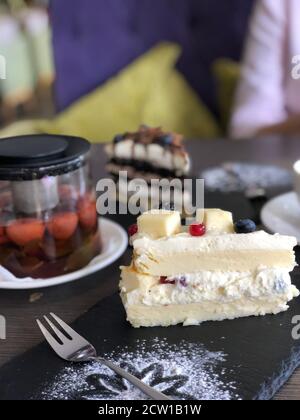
[
  {"x": 282, "y": 215},
  {"x": 115, "y": 242}
]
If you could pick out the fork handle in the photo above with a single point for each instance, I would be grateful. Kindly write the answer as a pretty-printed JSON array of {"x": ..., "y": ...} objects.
[{"x": 146, "y": 389}]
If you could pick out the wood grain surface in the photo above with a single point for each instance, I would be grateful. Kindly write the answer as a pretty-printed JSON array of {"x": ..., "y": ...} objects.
[{"x": 69, "y": 301}]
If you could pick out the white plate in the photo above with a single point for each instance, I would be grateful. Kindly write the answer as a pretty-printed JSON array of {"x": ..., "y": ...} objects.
[
  {"x": 282, "y": 215},
  {"x": 115, "y": 242}
]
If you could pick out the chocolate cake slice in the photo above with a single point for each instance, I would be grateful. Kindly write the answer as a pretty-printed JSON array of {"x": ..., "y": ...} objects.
[{"x": 149, "y": 153}]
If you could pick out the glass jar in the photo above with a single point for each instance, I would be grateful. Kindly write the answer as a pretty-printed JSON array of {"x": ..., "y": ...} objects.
[{"x": 48, "y": 218}]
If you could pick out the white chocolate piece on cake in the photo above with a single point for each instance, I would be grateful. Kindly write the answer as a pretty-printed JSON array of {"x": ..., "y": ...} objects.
[
  {"x": 215, "y": 220},
  {"x": 159, "y": 223}
]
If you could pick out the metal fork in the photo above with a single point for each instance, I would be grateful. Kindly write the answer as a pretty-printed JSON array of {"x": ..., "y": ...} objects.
[{"x": 70, "y": 346}]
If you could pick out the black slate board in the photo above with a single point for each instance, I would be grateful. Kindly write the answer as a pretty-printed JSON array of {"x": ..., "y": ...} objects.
[{"x": 261, "y": 353}]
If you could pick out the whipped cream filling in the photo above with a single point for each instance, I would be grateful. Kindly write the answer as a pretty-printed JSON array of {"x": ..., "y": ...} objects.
[
  {"x": 221, "y": 287},
  {"x": 224, "y": 252},
  {"x": 184, "y": 242}
]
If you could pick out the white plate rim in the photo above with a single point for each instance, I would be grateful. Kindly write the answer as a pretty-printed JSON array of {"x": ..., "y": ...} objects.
[
  {"x": 118, "y": 242},
  {"x": 267, "y": 209}
]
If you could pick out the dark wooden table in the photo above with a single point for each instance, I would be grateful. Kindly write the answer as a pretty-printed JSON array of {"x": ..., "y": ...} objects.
[{"x": 73, "y": 299}]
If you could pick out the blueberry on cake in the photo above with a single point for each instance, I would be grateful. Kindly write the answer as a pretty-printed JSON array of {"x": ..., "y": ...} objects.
[{"x": 213, "y": 270}]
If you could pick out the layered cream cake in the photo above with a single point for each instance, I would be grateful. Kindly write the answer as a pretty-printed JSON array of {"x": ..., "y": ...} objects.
[
  {"x": 212, "y": 270},
  {"x": 149, "y": 154}
]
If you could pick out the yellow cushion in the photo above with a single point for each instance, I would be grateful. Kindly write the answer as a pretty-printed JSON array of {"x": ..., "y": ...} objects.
[
  {"x": 175, "y": 106},
  {"x": 23, "y": 127},
  {"x": 227, "y": 73},
  {"x": 148, "y": 91}
]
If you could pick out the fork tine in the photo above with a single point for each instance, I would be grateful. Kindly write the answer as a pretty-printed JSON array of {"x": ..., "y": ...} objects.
[
  {"x": 51, "y": 340},
  {"x": 59, "y": 334},
  {"x": 73, "y": 334}
]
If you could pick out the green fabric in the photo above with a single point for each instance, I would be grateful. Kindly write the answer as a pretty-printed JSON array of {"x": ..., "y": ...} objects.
[
  {"x": 148, "y": 91},
  {"x": 227, "y": 73},
  {"x": 176, "y": 107},
  {"x": 23, "y": 127}
]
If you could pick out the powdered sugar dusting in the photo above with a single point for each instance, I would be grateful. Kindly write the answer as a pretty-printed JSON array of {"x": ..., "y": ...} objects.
[
  {"x": 238, "y": 176},
  {"x": 186, "y": 371}
]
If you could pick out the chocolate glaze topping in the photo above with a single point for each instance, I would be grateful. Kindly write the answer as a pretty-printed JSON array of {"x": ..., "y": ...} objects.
[
  {"x": 171, "y": 143},
  {"x": 147, "y": 135}
]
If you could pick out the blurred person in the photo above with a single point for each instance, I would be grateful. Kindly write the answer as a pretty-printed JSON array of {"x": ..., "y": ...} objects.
[
  {"x": 268, "y": 95},
  {"x": 17, "y": 90}
]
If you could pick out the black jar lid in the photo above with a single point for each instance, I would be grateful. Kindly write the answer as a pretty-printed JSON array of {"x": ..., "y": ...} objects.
[{"x": 35, "y": 156}]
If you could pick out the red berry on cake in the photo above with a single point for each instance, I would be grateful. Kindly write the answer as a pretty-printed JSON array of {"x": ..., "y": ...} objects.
[
  {"x": 165, "y": 280},
  {"x": 133, "y": 229},
  {"x": 197, "y": 229}
]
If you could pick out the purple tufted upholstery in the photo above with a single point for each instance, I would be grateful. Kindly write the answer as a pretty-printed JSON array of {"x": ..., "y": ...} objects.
[{"x": 94, "y": 39}]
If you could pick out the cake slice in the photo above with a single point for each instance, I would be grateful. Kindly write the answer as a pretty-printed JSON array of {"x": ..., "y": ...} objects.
[
  {"x": 215, "y": 271},
  {"x": 149, "y": 153}
]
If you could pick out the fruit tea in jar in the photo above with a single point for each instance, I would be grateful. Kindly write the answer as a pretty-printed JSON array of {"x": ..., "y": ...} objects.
[{"x": 48, "y": 218}]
